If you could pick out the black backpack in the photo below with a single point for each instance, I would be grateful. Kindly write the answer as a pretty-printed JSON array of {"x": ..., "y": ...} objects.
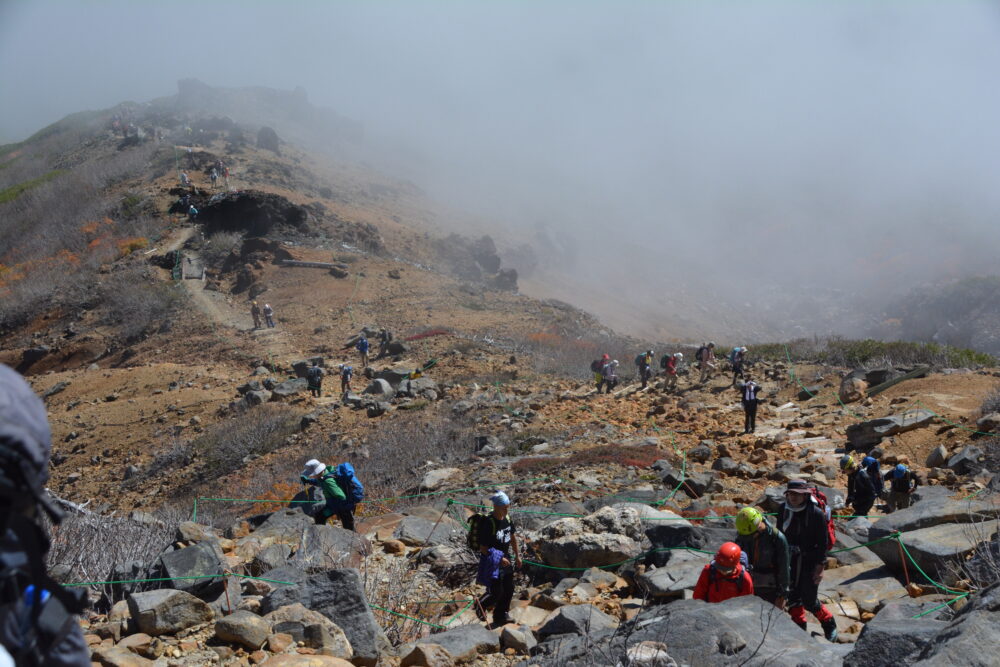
[
  {"x": 595, "y": 366},
  {"x": 472, "y": 537},
  {"x": 699, "y": 355}
]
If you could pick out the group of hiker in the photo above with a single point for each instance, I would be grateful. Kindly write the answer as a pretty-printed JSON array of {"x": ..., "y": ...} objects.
[
  {"x": 605, "y": 369},
  {"x": 267, "y": 311},
  {"x": 316, "y": 373},
  {"x": 866, "y": 484}
]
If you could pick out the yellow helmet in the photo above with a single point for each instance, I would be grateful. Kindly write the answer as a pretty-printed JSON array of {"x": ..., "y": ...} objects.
[
  {"x": 747, "y": 520},
  {"x": 847, "y": 463}
]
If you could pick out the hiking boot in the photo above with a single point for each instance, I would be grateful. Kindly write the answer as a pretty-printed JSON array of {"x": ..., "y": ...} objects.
[{"x": 830, "y": 630}]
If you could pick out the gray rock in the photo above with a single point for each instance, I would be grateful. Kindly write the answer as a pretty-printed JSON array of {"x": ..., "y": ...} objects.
[
  {"x": 670, "y": 581},
  {"x": 971, "y": 638},
  {"x": 167, "y": 611},
  {"x": 864, "y": 436},
  {"x": 932, "y": 507},
  {"x": 380, "y": 387},
  {"x": 892, "y": 642},
  {"x": 694, "y": 484},
  {"x": 436, "y": 479},
  {"x": 869, "y": 584},
  {"x": 857, "y": 553},
  {"x": 326, "y": 547},
  {"x": 200, "y": 560},
  {"x": 272, "y": 556},
  {"x": 580, "y": 619},
  {"x": 243, "y": 627},
  {"x": 397, "y": 347},
  {"x": 339, "y": 595},
  {"x": 416, "y": 531},
  {"x": 988, "y": 423},
  {"x": 934, "y": 548},
  {"x": 461, "y": 407},
  {"x": 257, "y": 397},
  {"x": 331, "y": 641},
  {"x": 608, "y": 536},
  {"x": 701, "y": 453},
  {"x": 289, "y": 388},
  {"x": 937, "y": 457},
  {"x": 520, "y": 639},
  {"x": 465, "y": 642},
  {"x": 285, "y": 525},
  {"x": 966, "y": 461},
  {"x": 725, "y": 465}
]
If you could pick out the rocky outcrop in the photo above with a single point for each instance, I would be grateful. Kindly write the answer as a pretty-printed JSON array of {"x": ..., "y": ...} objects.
[
  {"x": 606, "y": 537},
  {"x": 167, "y": 611},
  {"x": 865, "y": 436}
]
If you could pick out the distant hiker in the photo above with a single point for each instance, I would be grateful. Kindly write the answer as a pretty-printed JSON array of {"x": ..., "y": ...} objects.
[
  {"x": 269, "y": 315},
  {"x": 255, "y": 314},
  {"x": 902, "y": 483},
  {"x": 225, "y": 175},
  {"x": 597, "y": 368},
  {"x": 496, "y": 537},
  {"x": 806, "y": 527},
  {"x": 410, "y": 377},
  {"x": 346, "y": 373},
  {"x": 341, "y": 491},
  {"x": 737, "y": 359},
  {"x": 38, "y": 625},
  {"x": 192, "y": 213},
  {"x": 609, "y": 375},
  {"x": 767, "y": 552},
  {"x": 645, "y": 364},
  {"x": 362, "y": 346},
  {"x": 860, "y": 490},
  {"x": 669, "y": 364},
  {"x": 748, "y": 393},
  {"x": 725, "y": 577},
  {"x": 706, "y": 361},
  {"x": 315, "y": 377},
  {"x": 185, "y": 181},
  {"x": 384, "y": 338},
  {"x": 214, "y": 176},
  {"x": 871, "y": 466}
]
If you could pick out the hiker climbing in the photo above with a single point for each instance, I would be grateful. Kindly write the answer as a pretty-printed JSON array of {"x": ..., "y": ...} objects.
[
  {"x": 214, "y": 176},
  {"x": 384, "y": 338},
  {"x": 860, "y": 490},
  {"x": 269, "y": 315},
  {"x": 346, "y": 373},
  {"x": 192, "y": 213},
  {"x": 725, "y": 577},
  {"x": 341, "y": 491},
  {"x": 669, "y": 364},
  {"x": 315, "y": 377},
  {"x": 645, "y": 364},
  {"x": 705, "y": 355},
  {"x": 767, "y": 553},
  {"x": 597, "y": 368},
  {"x": 902, "y": 483},
  {"x": 871, "y": 466},
  {"x": 609, "y": 374},
  {"x": 185, "y": 180},
  {"x": 748, "y": 396},
  {"x": 737, "y": 359},
  {"x": 255, "y": 314},
  {"x": 362, "y": 346},
  {"x": 37, "y": 622},
  {"x": 805, "y": 520},
  {"x": 495, "y": 537}
]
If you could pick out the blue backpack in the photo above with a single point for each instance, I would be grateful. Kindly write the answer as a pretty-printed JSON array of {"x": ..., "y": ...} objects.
[{"x": 349, "y": 484}]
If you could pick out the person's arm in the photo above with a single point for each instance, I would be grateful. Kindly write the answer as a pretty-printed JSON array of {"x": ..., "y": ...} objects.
[
  {"x": 784, "y": 566},
  {"x": 747, "y": 583},
  {"x": 850, "y": 489},
  {"x": 332, "y": 491},
  {"x": 514, "y": 547},
  {"x": 914, "y": 481},
  {"x": 701, "y": 588}
]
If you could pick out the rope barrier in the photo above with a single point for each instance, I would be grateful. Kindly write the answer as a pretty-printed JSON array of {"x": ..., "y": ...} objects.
[
  {"x": 200, "y": 576},
  {"x": 444, "y": 626},
  {"x": 941, "y": 606}
]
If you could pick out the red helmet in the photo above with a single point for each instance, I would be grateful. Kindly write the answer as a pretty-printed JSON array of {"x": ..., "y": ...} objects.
[{"x": 728, "y": 555}]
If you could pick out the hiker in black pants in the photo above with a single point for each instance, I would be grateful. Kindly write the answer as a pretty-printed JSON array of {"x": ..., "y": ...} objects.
[
  {"x": 750, "y": 389},
  {"x": 496, "y": 538},
  {"x": 315, "y": 377}
]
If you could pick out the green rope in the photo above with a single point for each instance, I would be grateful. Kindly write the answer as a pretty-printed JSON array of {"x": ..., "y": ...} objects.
[
  {"x": 881, "y": 539},
  {"x": 920, "y": 570},
  {"x": 200, "y": 576},
  {"x": 428, "y": 623},
  {"x": 941, "y": 606},
  {"x": 614, "y": 565}
]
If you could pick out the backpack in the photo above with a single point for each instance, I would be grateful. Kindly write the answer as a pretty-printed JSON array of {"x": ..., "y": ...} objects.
[
  {"x": 595, "y": 366},
  {"x": 831, "y": 530},
  {"x": 640, "y": 360},
  {"x": 664, "y": 359},
  {"x": 713, "y": 573},
  {"x": 346, "y": 372},
  {"x": 472, "y": 537},
  {"x": 700, "y": 354},
  {"x": 349, "y": 484},
  {"x": 314, "y": 373}
]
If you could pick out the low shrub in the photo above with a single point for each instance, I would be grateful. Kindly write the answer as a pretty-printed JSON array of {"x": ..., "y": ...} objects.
[
  {"x": 641, "y": 456},
  {"x": 259, "y": 430},
  {"x": 869, "y": 352},
  {"x": 217, "y": 247},
  {"x": 536, "y": 465},
  {"x": 991, "y": 403},
  {"x": 137, "y": 304}
]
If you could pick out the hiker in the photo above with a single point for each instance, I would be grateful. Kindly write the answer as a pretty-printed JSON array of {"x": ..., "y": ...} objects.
[
  {"x": 749, "y": 391},
  {"x": 902, "y": 483},
  {"x": 410, "y": 377},
  {"x": 192, "y": 213},
  {"x": 214, "y": 176},
  {"x": 384, "y": 338},
  {"x": 645, "y": 363},
  {"x": 669, "y": 364},
  {"x": 269, "y": 315},
  {"x": 805, "y": 525},
  {"x": 860, "y": 490},
  {"x": 871, "y": 466},
  {"x": 185, "y": 181},
  {"x": 336, "y": 484},
  {"x": 497, "y": 537},
  {"x": 597, "y": 368},
  {"x": 706, "y": 361},
  {"x": 346, "y": 372},
  {"x": 363, "y": 346},
  {"x": 38, "y": 625},
  {"x": 315, "y": 377},
  {"x": 737, "y": 358},
  {"x": 767, "y": 553},
  {"x": 609, "y": 375},
  {"x": 725, "y": 577},
  {"x": 255, "y": 314}
]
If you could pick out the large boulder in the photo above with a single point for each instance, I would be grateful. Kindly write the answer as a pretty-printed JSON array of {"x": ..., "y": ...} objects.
[
  {"x": 243, "y": 627},
  {"x": 326, "y": 547},
  {"x": 289, "y": 388},
  {"x": 465, "y": 642},
  {"x": 190, "y": 569},
  {"x": 679, "y": 574},
  {"x": 436, "y": 479},
  {"x": 297, "y": 618},
  {"x": 971, "y": 638},
  {"x": 380, "y": 387},
  {"x": 609, "y": 536},
  {"x": 578, "y": 619},
  {"x": 852, "y": 389},
  {"x": 966, "y": 461},
  {"x": 886, "y": 640},
  {"x": 935, "y": 549},
  {"x": 870, "y": 585},
  {"x": 863, "y": 437},
  {"x": 340, "y": 596},
  {"x": 167, "y": 611},
  {"x": 416, "y": 531}
]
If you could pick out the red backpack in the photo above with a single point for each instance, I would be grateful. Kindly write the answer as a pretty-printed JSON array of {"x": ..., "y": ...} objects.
[{"x": 831, "y": 530}]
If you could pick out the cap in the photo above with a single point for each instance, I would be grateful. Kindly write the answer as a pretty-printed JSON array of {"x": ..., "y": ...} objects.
[
  {"x": 500, "y": 498},
  {"x": 313, "y": 468},
  {"x": 797, "y": 486}
]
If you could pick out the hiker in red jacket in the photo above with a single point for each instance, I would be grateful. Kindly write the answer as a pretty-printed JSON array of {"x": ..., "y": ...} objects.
[{"x": 725, "y": 577}]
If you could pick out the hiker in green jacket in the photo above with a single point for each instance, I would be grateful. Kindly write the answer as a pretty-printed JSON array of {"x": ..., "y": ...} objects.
[
  {"x": 325, "y": 477},
  {"x": 767, "y": 551}
]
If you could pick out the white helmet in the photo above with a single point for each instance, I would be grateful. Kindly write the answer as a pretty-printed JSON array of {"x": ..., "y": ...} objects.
[
  {"x": 614, "y": 363},
  {"x": 743, "y": 349},
  {"x": 679, "y": 355}
]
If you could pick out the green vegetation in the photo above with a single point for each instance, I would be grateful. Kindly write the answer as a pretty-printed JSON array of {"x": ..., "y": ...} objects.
[
  {"x": 843, "y": 352},
  {"x": 14, "y": 191}
]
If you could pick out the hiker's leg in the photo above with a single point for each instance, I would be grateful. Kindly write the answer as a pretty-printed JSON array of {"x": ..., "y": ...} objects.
[
  {"x": 753, "y": 416},
  {"x": 346, "y": 517},
  {"x": 504, "y": 592}
]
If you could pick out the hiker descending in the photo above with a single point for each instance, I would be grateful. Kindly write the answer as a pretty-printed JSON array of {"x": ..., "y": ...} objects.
[
  {"x": 384, "y": 338},
  {"x": 725, "y": 577},
  {"x": 902, "y": 483},
  {"x": 346, "y": 373},
  {"x": 341, "y": 490},
  {"x": 871, "y": 466},
  {"x": 38, "y": 626},
  {"x": 214, "y": 176},
  {"x": 192, "y": 213},
  {"x": 669, "y": 364},
  {"x": 610, "y": 376},
  {"x": 255, "y": 314},
  {"x": 597, "y": 368},
  {"x": 315, "y": 377},
  {"x": 495, "y": 536},
  {"x": 645, "y": 363},
  {"x": 269, "y": 315},
  {"x": 860, "y": 490},
  {"x": 806, "y": 525},
  {"x": 362, "y": 346},
  {"x": 737, "y": 359},
  {"x": 767, "y": 553},
  {"x": 705, "y": 355},
  {"x": 748, "y": 396}
]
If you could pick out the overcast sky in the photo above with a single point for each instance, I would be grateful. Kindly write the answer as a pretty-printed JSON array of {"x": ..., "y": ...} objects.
[{"x": 844, "y": 142}]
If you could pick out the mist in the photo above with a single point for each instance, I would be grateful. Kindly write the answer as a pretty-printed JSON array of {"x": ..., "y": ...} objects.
[{"x": 717, "y": 166}]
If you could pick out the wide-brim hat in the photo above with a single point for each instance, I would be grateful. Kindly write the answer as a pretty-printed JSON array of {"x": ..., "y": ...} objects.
[
  {"x": 798, "y": 486},
  {"x": 313, "y": 468}
]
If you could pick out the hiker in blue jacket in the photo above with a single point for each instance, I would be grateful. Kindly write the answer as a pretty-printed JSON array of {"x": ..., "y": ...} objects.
[{"x": 363, "y": 346}]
